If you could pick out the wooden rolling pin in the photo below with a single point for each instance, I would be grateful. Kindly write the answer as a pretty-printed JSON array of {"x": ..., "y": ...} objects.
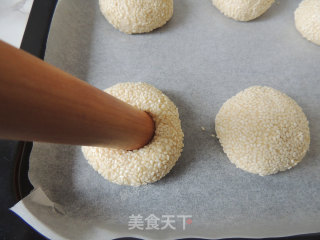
[{"x": 39, "y": 102}]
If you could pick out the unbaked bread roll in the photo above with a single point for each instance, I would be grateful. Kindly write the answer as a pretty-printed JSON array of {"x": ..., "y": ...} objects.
[
  {"x": 263, "y": 131},
  {"x": 153, "y": 161},
  {"x": 137, "y": 16},
  {"x": 243, "y": 10},
  {"x": 307, "y": 20}
]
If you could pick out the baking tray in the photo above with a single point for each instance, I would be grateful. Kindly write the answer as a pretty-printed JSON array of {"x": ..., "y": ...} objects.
[
  {"x": 14, "y": 155},
  {"x": 22, "y": 184}
]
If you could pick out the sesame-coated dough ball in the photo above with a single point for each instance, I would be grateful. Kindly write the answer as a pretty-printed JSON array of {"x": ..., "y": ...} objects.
[
  {"x": 307, "y": 20},
  {"x": 137, "y": 16},
  {"x": 263, "y": 131},
  {"x": 153, "y": 161},
  {"x": 243, "y": 10}
]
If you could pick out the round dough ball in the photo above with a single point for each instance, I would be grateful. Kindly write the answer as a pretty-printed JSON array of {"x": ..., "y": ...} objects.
[
  {"x": 307, "y": 20},
  {"x": 263, "y": 131},
  {"x": 243, "y": 10},
  {"x": 153, "y": 161},
  {"x": 137, "y": 16}
]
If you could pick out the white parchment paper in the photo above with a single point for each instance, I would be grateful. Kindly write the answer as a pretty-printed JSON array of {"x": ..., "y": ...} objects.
[{"x": 199, "y": 59}]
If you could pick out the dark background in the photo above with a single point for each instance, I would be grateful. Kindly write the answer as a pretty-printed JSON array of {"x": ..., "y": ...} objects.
[{"x": 14, "y": 155}]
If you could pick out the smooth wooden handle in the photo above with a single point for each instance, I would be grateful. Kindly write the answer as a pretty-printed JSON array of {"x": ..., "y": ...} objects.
[{"x": 39, "y": 102}]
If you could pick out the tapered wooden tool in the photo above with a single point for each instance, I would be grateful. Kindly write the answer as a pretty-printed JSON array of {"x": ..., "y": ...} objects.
[{"x": 39, "y": 102}]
